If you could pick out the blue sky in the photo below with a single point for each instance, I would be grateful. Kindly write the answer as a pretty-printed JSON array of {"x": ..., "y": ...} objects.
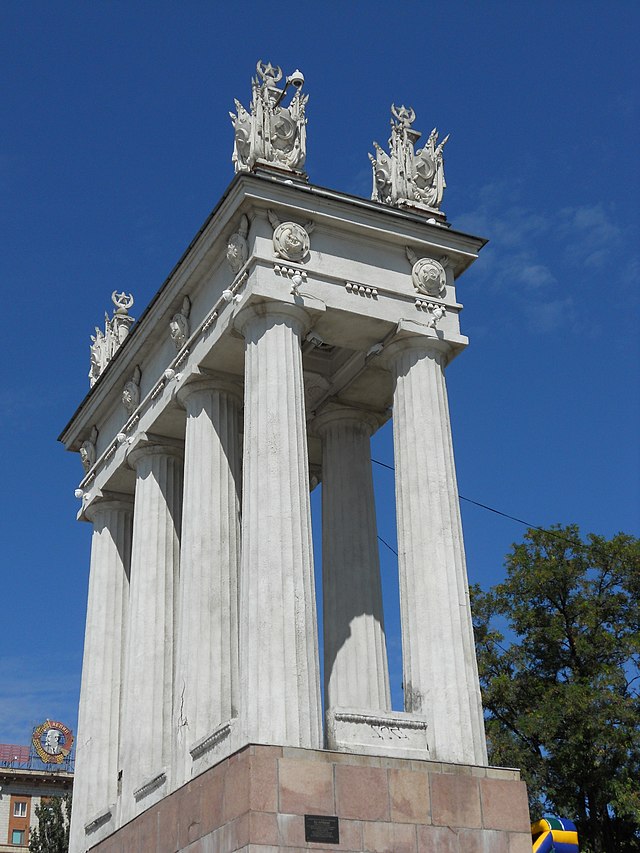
[{"x": 117, "y": 144}]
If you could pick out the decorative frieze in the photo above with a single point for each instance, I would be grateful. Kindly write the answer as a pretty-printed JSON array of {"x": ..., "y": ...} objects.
[
  {"x": 436, "y": 311},
  {"x": 290, "y": 272},
  {"x": 361, "y": 289}
]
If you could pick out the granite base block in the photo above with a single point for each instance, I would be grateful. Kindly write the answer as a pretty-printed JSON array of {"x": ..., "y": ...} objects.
[{"x": 255, "y": 801}]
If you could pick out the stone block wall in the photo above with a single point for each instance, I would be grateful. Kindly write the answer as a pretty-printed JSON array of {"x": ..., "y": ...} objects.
[{"x": 255, "y": 802}]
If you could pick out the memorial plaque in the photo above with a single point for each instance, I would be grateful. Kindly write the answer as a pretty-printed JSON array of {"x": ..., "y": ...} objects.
[{"x": 321, "y": 828}]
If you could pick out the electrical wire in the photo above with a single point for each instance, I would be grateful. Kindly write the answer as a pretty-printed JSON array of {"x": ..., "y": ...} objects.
[{"x": 574, "y": 543}]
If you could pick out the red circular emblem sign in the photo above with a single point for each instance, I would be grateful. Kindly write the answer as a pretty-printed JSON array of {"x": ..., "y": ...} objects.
[{"x": 52, "y": 741}]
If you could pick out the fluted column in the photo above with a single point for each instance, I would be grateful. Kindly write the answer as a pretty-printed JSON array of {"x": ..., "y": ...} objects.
[
  {"x": 440, "y": 670},
  {"x": 150, "y": 642},
  {"x": 356, "y": 673},
  {"x": 278, "y": 636},
  {"x": 207, "y": 676},
  {"x": 96, "y": 767}
]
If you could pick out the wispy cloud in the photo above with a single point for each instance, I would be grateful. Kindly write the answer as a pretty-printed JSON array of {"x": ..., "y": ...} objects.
[
  {"x": 533, "y": 258},
  {"x": 34, "y": 689},
  {"x": 550, "y": 316},
  {"x": 590, "y": 235}
]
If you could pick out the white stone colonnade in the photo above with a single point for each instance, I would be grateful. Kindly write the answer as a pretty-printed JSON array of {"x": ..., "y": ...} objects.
[{"x": 213, "y": 642}]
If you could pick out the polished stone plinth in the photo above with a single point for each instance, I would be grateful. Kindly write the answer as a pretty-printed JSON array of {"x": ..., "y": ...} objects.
[{"x": 256, "y": 800}]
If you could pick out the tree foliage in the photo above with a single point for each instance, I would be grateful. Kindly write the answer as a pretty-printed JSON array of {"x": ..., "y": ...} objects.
[
  {"x": 52, "y": 833},
  {"x": 562, "y": 692}
]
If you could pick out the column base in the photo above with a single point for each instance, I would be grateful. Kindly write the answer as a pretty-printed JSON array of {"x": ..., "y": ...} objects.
[
  {"x": 391, "y": 733},
  {"x": 256, "y": 801}
]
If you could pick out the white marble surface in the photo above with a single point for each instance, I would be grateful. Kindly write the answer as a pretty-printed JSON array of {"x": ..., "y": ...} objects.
[
  {"x": 440, "y": 677},
  {"x": 278, "y": 631},
  {"x": 155, "y": 556},
  {"x": 207, "y": 674},
  {"x": 97, "y": 745},
  {"x": 355, "y": 653}
]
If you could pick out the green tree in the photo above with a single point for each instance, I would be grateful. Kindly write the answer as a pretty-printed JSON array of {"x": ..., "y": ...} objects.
[
  {"x": 52, "y": 833},
  {"x": 561, "y": 693}
]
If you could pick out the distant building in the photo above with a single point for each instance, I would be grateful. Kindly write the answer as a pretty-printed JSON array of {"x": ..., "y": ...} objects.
[{"x": 29, "y": 776}]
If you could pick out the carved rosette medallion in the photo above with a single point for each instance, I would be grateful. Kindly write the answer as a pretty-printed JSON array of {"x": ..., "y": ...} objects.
[
  {"x": 291, "y": 242},
  {"x": 429, "y": 277}
]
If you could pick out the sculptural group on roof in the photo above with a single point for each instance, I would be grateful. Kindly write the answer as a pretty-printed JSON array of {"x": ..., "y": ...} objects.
[
  {"x": 407, "y": 175},
  {"x": 104, "y": 345},
  {"x": 271, "y": 133}
]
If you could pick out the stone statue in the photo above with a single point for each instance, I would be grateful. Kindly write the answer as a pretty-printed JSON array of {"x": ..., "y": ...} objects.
[
  {"x": 88, "y": 453},
  {"x": 406, "y": 176},
  {"x": 179, "y": 325},
  {"x": 271, "y": 134},
  {"x": 131, "y": 392},
  {"x": 290, "y": 240},
  {"x": 104, "y": 346},
  {"x": 237, "y": 246}
]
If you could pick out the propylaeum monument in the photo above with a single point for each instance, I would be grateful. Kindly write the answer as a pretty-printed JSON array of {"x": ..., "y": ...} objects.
[{"x": 297, "y": 320}]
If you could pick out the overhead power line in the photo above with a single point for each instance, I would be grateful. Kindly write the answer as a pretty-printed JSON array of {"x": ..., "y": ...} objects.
[{"x": 572, "y": 542}]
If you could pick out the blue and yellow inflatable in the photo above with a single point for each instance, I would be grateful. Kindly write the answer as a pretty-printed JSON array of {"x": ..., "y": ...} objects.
[{"x": 554, "y": 835}]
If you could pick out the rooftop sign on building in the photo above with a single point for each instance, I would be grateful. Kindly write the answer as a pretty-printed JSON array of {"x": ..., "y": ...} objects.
[{"x": 52, "y": 742}]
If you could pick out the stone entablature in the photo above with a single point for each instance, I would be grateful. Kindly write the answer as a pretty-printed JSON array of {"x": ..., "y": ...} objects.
[{"x": 333, "y": 275}]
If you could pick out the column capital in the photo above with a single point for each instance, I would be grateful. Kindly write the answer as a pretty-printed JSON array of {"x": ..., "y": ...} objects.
[
  {"x": 298, "y": 318},
  {"x": 418, "y": 337},
  {"x": 205, "y": 381},
  {"x": 147, "y": 444},
  {"x": 338, "y": 413},
  {"x": 107, "y": 501},
  {"x": 102, "y": 501},
  {"x": 418, "y": 344}
]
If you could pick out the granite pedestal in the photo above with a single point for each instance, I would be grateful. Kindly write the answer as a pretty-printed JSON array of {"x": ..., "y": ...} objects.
[{"x": 256, "y": 800}]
